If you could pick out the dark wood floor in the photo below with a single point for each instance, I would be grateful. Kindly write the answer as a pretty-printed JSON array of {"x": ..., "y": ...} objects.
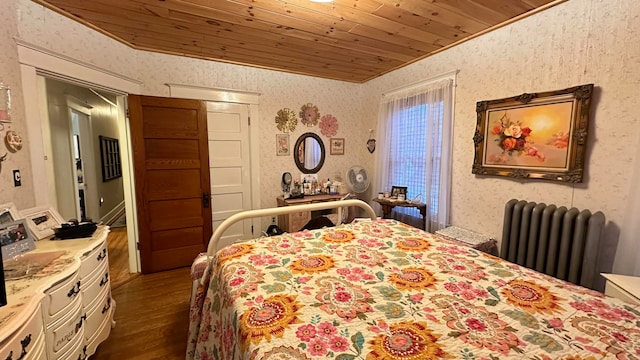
[
  {"x": 152, "y": 311},
  {"x": 118, "y": 257}
]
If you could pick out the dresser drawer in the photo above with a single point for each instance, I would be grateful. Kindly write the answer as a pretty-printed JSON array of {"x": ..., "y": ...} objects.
[
  {"x": 102, "y": 330},
  {"x": 94, "y": 284},
  {"x": 60, "y": 297},
  {"x": 39, "y": 350},
  {"x": 66, "y": 332},
  {"x": 97, "y": 315},
  {"x": 77, "y": 351},
  {"x": 26, "y": 340},
  {"x": 93, "y": 259}
]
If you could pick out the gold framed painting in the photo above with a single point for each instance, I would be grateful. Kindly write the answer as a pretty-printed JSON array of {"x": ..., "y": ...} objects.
[{"x": 534, "y": 136}]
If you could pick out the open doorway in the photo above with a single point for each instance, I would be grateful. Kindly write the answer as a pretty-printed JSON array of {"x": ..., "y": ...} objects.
[{"x": 81, "y": 137}]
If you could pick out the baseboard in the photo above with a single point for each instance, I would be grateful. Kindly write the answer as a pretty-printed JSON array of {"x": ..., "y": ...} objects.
[{"x": 114, "y": 214}]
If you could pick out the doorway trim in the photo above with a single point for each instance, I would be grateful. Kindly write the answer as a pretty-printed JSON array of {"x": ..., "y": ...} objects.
[
  {"x": 35, "y": 61},
  {"x": 252, "y": 99}
]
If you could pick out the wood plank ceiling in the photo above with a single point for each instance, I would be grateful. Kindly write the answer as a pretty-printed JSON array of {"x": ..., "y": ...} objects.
[{"x": 349, "y": 40}]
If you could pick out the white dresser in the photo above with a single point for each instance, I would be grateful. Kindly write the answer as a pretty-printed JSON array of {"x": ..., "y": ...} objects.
[
  {"x": 59, "y": 304},
  {"x": 623, "y": 287}
]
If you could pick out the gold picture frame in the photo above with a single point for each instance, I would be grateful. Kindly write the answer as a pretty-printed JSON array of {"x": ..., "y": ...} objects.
[
  {"x": 337, "y": 146},
  {"x": 534, "y": 136}
]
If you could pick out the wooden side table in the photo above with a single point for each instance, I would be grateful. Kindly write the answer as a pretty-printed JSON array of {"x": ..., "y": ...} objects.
[{"x": 388, "y": 205}]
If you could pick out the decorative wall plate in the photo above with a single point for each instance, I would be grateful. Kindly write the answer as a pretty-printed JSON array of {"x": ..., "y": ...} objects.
[
  {"x": 371, "y": 143},
  {"x": 309, "y": 114},
  {"x": 13, "y": 141},
  {"x": 286, "y": 120},
  {"x": 329, "y": 125}
]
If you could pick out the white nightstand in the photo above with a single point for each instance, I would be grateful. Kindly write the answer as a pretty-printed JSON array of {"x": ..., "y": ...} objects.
[{"x": 623, "y": 287}]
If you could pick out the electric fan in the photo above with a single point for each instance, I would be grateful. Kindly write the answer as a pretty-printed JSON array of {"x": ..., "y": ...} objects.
[
  {"x": 358, "y": 182},
  {"x": 358, "y": 179}
]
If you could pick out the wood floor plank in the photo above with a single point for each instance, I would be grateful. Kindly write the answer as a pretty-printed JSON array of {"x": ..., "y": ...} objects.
[
  {"x": 152, "y": 318},
  {"x": 118, "y": 257}
]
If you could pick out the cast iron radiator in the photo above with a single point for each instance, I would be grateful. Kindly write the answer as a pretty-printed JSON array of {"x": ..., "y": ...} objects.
[{"x": 553, "y": 240}]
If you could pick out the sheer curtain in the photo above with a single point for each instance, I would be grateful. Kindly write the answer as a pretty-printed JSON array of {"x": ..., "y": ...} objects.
[{"x": 414, "y": 139}]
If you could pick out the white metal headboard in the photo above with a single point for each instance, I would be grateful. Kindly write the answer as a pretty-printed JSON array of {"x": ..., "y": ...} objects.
[{"x": 211, "y": 249}]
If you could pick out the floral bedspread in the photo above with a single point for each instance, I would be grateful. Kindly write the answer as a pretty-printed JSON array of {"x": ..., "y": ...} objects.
[{"x": 384, "y": 290}]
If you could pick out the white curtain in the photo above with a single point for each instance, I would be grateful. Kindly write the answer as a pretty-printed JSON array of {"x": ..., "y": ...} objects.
[{"x": 415, "y": 125}]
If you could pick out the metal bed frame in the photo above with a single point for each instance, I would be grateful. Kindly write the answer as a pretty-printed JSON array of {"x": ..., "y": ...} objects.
[{"x": 215, "y": 238}]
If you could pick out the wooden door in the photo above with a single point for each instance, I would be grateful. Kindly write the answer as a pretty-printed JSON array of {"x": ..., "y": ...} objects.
[
  {"x": 230, "y": 163},
  {"x": 171, "y": 167}
]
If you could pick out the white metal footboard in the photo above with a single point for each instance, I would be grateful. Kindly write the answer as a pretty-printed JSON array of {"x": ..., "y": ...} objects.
[{"x": 213, "y": 242}]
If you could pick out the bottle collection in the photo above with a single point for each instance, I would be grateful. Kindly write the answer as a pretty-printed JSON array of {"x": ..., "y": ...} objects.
[{"x": 313, "y": 187}]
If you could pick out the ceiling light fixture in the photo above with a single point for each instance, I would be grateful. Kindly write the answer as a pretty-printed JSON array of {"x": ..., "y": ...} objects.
[{"x": 321, "y": 1}]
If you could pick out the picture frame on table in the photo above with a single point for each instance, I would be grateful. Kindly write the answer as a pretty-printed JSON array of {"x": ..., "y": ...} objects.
[
  {"x": 337, "y": 146},
  {"x": 42, "y": 221},
  {"x": 15, "y": 239},
  {"x": 534, "y": 136},
  {"x": 397, "y": 190},
  {"x": 8, "y": 213}
]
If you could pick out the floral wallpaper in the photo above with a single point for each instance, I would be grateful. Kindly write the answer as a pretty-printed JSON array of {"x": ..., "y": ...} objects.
[
  {"x": 44, "y": 28},
  {"x": 569, "y": 44},
  {"x": 21, "y": 196}
]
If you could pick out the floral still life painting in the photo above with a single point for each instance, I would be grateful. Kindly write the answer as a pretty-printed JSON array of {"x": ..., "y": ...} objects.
[
  {"x": 538, "y": 139},
  {"x": 539, "y": 136}
]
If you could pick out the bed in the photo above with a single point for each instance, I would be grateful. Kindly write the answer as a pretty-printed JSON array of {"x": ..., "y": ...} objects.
[{"x": 379, "y": 289}]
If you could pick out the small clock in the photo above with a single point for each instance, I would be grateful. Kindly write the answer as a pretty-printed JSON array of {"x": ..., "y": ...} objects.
[{"x": 286, "y": 181}]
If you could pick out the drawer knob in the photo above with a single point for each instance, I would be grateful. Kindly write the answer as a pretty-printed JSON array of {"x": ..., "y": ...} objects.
[
  {"x": 79, "y": 324},
  {"x": 75, "y": 290},
  {"x": 107, "y": 306},
  {"x": 105, "y": 280},
  {"x": 23, "y": 343},
  {"x": 102, "y": 255}
]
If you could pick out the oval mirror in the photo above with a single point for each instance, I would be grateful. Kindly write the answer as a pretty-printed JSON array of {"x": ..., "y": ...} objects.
[{"x": 309, "y": 153}]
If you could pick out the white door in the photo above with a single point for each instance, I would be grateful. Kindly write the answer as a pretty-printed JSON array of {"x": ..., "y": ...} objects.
[
  {"x": 86, "y": 181},
  {"x": 230, "y": 167}
]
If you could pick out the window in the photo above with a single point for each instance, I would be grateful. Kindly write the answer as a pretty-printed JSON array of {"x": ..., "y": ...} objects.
[
  {"x": 415, "y": 133},
  {"x": 110, "y": 158},
  {"x": 408, "y": 153}
]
